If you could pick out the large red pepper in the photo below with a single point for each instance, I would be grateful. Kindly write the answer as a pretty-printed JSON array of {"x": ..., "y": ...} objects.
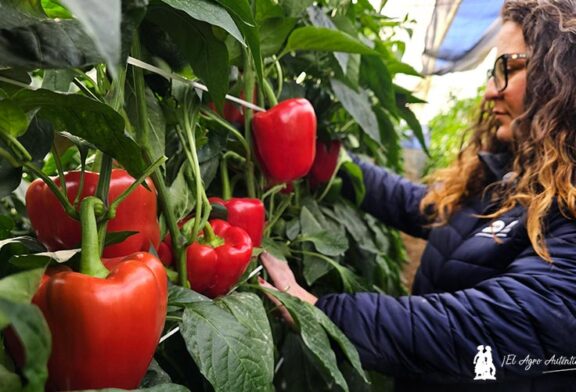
[
  {"x": 285, "y": 138},
  {"x": 215, "y": 265},
  {"x": 325, "y": 162},
  {"x": 247, "y": 213},
  {"x": 105, "y": 324},
  {"x": 56, "y": 230}
]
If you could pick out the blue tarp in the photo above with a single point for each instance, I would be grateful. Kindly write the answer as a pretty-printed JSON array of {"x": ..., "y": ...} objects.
[{"x": 460, "y": 34}]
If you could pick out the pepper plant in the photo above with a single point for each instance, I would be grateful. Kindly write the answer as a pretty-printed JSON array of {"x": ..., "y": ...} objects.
[{"x": 181, "y": 101}]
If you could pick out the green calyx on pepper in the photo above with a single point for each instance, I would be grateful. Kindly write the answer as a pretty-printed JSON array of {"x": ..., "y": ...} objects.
[{"x": 285, "y": 139}]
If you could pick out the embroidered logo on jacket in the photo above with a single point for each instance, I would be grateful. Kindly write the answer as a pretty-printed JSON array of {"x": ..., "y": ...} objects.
[
  {"x": 497, "y": 228},
  {"x": 483, "y": 364}
]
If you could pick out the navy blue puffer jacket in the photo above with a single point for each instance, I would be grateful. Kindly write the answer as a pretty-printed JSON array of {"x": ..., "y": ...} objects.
[{"x": 480, "y": 283}]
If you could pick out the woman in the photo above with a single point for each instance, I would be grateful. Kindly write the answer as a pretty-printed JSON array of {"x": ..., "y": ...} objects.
[{"x": 499, "y": 270}]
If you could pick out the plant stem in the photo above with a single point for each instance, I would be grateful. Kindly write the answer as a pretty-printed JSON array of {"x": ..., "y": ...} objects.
[
  {"x": 225, "y": 179},
  {"x": 249, "y": 83},
  {"x": 163, "y": 195},
  {"x": 270, "y": 96},
  {"x": 90, "y": 262},
  {"x": 281, "y": 208},
  {"x": 102, "y": 191},
  {"x": 59, "y": 168},
  {"x": 213, "y": 116},
  {"x": 62, "y": 198}
]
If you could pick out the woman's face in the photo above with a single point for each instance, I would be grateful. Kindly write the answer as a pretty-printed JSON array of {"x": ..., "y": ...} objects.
[{"x": 508, "y": 104}]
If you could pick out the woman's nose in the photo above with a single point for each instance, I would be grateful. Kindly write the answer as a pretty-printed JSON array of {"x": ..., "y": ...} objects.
[{"x": 491, "y": 91}]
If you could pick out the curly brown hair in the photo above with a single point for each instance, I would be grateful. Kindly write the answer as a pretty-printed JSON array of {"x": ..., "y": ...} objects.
[{"x": 544, "y": 143}]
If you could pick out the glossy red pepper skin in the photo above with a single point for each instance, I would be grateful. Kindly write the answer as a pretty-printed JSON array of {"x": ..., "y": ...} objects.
[
  {"x": 213, "y": 271},
  {"x": 104, "y": 331},
  {"x": 285, "y": 138},
  {"x": 247, "y": 213},
  {"x": 325, "y": 162},
  {"x": 57, "y": 231}
]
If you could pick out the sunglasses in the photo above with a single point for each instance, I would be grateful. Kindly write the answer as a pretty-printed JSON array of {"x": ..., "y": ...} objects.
[{"x": 503, "y": 67}]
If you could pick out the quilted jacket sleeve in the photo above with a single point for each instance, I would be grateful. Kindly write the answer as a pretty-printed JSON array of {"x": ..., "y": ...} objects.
[
  {"x": 528, "y": 310},
  {"x": 393, "y": 199}
]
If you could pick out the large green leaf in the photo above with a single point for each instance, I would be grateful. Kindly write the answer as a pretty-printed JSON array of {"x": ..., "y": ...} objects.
[
  {"x": 273, "y": 33},
  {"x": 13, "y": 120},
  {"x": 325, "y": 40},
  {"x": 313, "y": 335},
  {"x": 32, "y": 330},
  {"x": 101, "y": 20},
  {"x": 414, "y": 124},
  {"x": 328, "y": 242},
  {"x": 223, "y": 349},
  {"x": 91, "y": 120},
  {"x": 359, "y": 106},
  {"x": 22, "y": 286},
  {"x": 208, "y": 12},
  {"x": 375, "y": 75},
  {"x": 249, "y": 310},
  {"x": 295, "y": 7},
  {"x": 206, "y": 54},
  {"x": 242, "y": 13},
  {"x": 38, "y": 42}
]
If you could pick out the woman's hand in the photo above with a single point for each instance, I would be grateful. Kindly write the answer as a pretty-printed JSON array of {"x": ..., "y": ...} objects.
[{"x": 283, "y": 278}]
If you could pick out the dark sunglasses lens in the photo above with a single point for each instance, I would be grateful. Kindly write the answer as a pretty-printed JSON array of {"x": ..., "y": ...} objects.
[{"x": 500, "y": 73}]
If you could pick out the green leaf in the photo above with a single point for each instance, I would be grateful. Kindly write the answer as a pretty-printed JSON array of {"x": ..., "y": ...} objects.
[
  {"x": 101, "y": 21},
  {"x": 328, "y": 242},
  {"x": 375, "y": 75},
  {"x": 249, "y": 310},
  {"x": 206, "y": 54},
  {"x": 295, "y": 7},
  {"x": 180, "y": 295},
  {"x": 54, "y": 10},
  {"x": 10, "y": 177},
  {"x": 359, "y": 106},
  {"x": 57, "y": 80},
  {"x": 343, "y": 342},
  {"x": 313, "y": 335},
  {"x": 42, "y": 259},
  {"x": 6, "y": 226},
  {"x": 357, "y": 178},
  {"x": 273, "y": 33},
  {"x": 91, "y": 120},
  {"x": 37, "y": 42},
  {"x": 325, "y": 40},
  {"x": 22, "y": 286},
  {"x": 9, "y": 381},
  {"x": 156, "y": 122},
  {"x": 13, "y": 120},
  {"x": 210, "y": 13},
  {"x": 414, "y": 124},
  {"x": 32, "y": 330},
  {"x": 314, "y": 267},
  {"x": 242, "y": 13},
  {"x": 223, "y": 349}
]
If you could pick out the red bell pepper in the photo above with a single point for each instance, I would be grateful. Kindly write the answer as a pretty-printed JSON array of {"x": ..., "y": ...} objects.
[
  {"x": 104, "y": 331},
  {"x": 214, "y": 265},
  {"x": 247, "y": 213},
  {"x": 105, "y": 325},
  {"x": 57, "y": 231},
  {"x": 325, "y": 162},
  {"x": 285, "y": 138}
]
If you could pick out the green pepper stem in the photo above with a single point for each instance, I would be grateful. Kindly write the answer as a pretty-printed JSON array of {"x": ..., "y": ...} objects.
[
  {"x": 213, "y": 116},
  {"x": 249, "y": 83},
  {"x": 90, "y": 262},
  {"x": 270, "y": 95},
  {"x": 17, "y": 148},
  {"x": 59, "y": 167},
  {"x": 151, "y": 169},
  {"x": 225, "y": 179},
  {"x": 62, "y": 198}
]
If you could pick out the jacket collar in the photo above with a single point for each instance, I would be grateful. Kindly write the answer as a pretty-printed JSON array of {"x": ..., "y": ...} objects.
[{"x": 497, "y": 164}]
